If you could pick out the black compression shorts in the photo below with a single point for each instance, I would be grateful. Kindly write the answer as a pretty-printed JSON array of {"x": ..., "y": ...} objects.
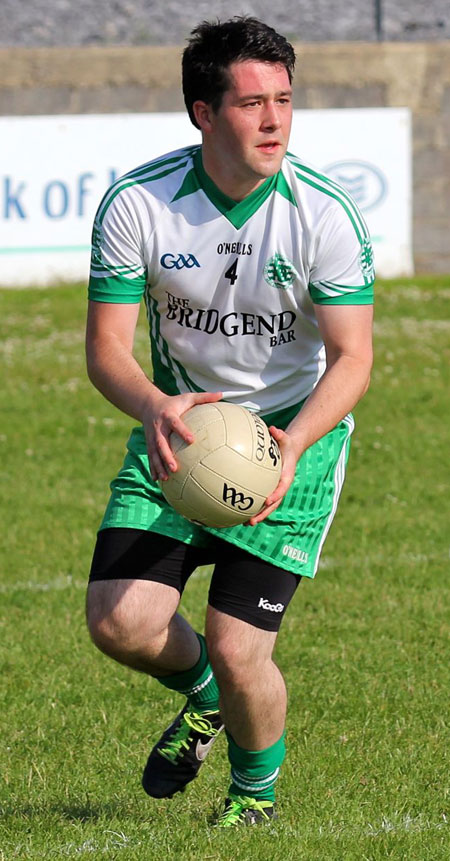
[{"x": 242, "y": 585}]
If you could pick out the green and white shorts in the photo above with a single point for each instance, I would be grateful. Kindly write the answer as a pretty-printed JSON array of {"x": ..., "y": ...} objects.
[{"x": 291, "y": 537}]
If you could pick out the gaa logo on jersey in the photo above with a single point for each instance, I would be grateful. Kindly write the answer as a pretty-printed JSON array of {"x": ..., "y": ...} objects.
[
  {"x": 279, "y": 272},
  {"x": 366, "y": 260},
  {"x": 179, "y": 261}
]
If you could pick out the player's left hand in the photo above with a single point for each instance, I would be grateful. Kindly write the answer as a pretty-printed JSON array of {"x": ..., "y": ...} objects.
[{"x": 289, "y": 458}]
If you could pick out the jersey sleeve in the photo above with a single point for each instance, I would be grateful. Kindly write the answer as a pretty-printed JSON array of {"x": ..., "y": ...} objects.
[
  {"x": 342, "y": 272},
  {"x": 118, "y": 269}
]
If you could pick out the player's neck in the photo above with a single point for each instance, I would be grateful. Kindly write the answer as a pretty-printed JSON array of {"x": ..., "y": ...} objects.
[{"x": 235, "y": 186}]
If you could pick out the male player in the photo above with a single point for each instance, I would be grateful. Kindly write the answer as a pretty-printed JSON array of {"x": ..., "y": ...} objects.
[{"x": 257, "y": 275}]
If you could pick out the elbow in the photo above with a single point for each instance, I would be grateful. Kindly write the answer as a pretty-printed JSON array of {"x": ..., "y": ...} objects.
[
  {"x": 368, "y": 376},
  {"x": 89, "y": 361},
  {"x": 92, "y": 364},
  {"x": 366, "y": 385}
]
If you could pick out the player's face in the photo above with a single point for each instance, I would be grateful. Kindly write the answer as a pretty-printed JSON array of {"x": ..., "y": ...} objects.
[{"x": 248, "y": 136}]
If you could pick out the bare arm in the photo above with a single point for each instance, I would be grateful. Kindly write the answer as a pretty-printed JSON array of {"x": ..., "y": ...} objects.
[
  {"x": 347, "y": 334},
  {"x": 115, "y": 372}
]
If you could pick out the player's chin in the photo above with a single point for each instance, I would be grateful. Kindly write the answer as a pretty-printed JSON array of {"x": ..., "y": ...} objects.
[{"x": 269, "y": 164}]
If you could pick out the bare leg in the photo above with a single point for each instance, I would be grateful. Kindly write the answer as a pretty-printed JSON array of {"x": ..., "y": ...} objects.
[
  {"x": 252, "y": 689},
  {"x": 136, "y": 623}
]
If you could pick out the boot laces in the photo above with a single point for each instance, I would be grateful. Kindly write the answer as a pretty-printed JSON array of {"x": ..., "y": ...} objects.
[
  {"x": 182, "y": 735},
  {"x": 234, "y": 813}
]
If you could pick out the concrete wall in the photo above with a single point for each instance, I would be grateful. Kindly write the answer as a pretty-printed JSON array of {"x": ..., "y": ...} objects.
[
  {"x": 330, "y": 75},
  {"x": 33, "y": 23}
]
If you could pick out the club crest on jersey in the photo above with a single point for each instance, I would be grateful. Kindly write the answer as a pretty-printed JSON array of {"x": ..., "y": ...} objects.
[
  {"x": 366, "y": 261},
  {"x": 97, "y": 242},
  {"x": 179, "y": 261},
  {"x": 279, "y": 272}
]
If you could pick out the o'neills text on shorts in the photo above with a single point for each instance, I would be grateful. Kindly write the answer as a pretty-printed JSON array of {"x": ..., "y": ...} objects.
[{"x": 295, "y": 553}]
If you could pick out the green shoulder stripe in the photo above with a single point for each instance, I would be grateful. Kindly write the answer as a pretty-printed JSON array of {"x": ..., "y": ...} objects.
[
  {"x": 157, "y": 163},
  {"x": 143, "y": 179},
  {"x": 283, "y": 188},
  {"x": 323, "y": 183},
  {"x": 143, "y": 169}
]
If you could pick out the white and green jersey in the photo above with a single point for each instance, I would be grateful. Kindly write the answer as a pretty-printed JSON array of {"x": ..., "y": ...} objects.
[{"x": 230, "y": 287}]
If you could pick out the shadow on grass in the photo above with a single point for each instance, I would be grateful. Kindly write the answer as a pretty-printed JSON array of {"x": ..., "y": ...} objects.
[
  {"x": 87, "y": 812},
  {"x": 72, "y": 813}
]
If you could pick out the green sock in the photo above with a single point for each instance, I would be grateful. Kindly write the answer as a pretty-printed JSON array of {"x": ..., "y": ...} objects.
[
  {"x": 255, "y": 772},
  {"x": 198, "y": 683}
]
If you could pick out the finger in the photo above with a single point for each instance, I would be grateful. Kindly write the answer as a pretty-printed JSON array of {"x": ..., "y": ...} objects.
[
  {"x": 280, "y": 490},
  {"x": 176, "y": 422},
  {"x": 152, "y": 459},
  {"x": 207, "y": 397},
  {"x": 258, "y": 518},
  {"x": 178, "y": 426},
  {"x": 277, "y": 433},
  {"x": 157, "y": 469},
  {"x": 164, "y": 453}
]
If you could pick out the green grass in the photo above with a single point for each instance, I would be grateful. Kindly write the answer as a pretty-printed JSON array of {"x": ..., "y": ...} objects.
[{"x": 364, "y": 648}]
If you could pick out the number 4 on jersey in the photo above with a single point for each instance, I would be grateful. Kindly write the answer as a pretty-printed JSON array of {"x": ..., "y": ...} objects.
[{"x": 231, "y": 272}]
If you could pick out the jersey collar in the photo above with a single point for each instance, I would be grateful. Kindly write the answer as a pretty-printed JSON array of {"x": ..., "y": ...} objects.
[{"x": 237, "y": 212}]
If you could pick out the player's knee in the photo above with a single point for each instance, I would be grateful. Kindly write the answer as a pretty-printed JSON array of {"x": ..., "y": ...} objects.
[
  {"x": 103, "y": 628},
  {"x": 108, "y": 626},
  {"x": 124, "y": 619},
  {"x": 231, "y": 663}
]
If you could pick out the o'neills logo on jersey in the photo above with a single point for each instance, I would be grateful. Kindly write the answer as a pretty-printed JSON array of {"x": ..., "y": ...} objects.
[
  {"x": 209, "y": 320},
  {"x": 234, "y": 248}
]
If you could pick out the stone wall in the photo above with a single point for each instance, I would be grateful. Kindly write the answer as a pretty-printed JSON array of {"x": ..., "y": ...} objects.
[{"x": 330, "y": 75}]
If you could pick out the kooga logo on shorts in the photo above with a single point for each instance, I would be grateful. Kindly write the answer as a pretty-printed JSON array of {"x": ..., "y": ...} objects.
[{"x": 274, "y": 608}]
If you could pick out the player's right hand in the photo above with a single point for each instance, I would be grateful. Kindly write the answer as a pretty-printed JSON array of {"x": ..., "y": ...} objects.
[{"x": 161, "y": 418}]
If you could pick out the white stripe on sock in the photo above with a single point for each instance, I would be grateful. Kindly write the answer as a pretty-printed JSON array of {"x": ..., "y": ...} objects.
[{"x": 197, "y": 688}]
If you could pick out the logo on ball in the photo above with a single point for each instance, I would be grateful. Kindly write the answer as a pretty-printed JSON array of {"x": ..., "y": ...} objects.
[
  {"x": 230, "y": 494},
  {"x": 224, "y": 477}
]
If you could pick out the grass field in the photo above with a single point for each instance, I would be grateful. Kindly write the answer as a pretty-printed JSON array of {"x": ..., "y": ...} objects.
[{"x": 364, "y": 648}]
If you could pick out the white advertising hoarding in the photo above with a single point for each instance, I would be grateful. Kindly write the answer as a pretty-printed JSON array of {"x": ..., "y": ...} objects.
[{"x": 54, "y": 171}]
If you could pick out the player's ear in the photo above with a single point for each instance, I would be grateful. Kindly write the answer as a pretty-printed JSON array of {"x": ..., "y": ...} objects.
[{"x": 203, "y": 114}]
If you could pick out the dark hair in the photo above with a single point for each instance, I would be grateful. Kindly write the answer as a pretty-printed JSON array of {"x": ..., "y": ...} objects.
[{"x": 214, "y": 46}]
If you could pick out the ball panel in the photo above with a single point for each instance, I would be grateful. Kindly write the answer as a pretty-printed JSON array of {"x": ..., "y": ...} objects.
[
  {"x": 173, "y": 488},
  {"x": 238, "y": 429},
  {"x": 199, "y": 416},
  {"x": 237, "y": 469},
  {"x": 225, "y": 475},
  {"x": 204, "y": 495},
  {"x": 206, "y": 438}
]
